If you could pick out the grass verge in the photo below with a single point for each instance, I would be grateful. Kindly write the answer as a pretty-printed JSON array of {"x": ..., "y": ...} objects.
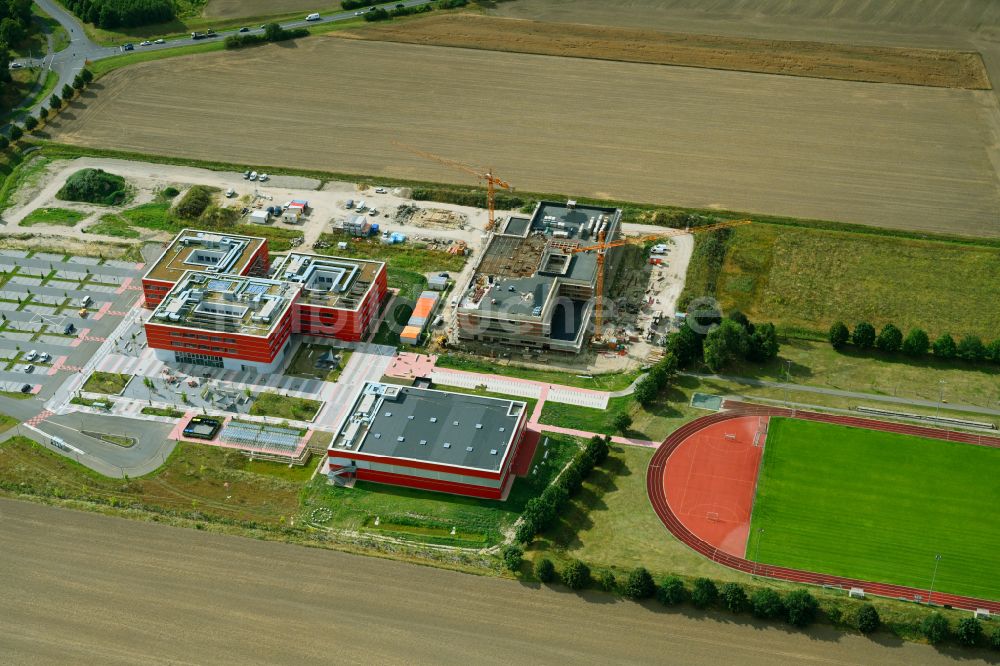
[
  {"x": 63, "y": 217},
  {"x": 284, "y": 407},
  {"x": 106, "y": 382},
  {"x": 163, "y": 411},
  {"x": 603, "y": 382},
  {"x": 409, "y": 256}
]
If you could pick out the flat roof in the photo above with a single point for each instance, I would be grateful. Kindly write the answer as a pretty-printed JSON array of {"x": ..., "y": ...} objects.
[
  {"x": 525, "y": 297},
  {"x": 335, "y": 282},
  {"x": 225, "y": 303},
  {"x": 204, "y": 251},
  {"x": 429, "y": 425}
]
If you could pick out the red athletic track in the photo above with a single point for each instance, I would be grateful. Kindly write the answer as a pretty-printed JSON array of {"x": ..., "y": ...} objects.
[
  {"x": 657, "y": 497},
  {"x": 714, "y": 471}
]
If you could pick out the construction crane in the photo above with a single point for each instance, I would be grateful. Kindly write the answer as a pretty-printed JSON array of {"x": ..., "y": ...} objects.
[
  {"x": 492, "y": 181},
  {"x": 601, "y": 247}
]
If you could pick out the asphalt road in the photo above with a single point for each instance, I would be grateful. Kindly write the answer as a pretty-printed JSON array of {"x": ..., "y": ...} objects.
[{"x": 85, "y": 589}]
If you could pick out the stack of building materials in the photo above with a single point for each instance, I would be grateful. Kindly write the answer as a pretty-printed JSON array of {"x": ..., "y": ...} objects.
[{"x": 422, "y": 313}]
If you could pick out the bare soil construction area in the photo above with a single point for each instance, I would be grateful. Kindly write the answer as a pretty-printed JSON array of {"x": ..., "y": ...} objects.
[
  {"x": 947, "y": 69},
  {"x": 897, "y": 156}
]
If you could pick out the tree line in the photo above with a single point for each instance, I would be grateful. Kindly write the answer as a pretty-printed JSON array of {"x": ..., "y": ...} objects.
[
  {"x": 122, "y": 13},
  {"x": 916, "y": 343},
  {"x": 15, "y": 26},
  {"x": 273, "y": 32},
  {"x": 56, "y": 102},
  {"x": 540, "y": 512}
]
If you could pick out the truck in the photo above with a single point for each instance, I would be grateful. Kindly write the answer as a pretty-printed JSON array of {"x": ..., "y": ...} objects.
[{"x": 198, "y": 35}]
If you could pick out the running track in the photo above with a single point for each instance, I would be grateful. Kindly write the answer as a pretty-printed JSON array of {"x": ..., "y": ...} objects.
[{"x": 657, "y": 497}]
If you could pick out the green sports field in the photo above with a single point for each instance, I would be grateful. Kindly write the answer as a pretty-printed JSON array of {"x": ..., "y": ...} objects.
[{"x": 878, "y": 506}]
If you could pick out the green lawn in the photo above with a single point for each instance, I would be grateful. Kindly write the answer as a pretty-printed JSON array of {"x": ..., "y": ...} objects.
[
  {"x": 112, "y": 225},
  {"x": 303, "y": 364},
  {"x": 59, "y": 216},
  {"x": 284, "y": 407},
  {"x": 106, "y": 382},
  {"x": 805, "y": 279},
  {"x": 162, "y": 411},
  {"x": 408, "y": 256},
  {"x": 612, "y": 381},
  {"x": 421, "y": 515},
  {"x": 7, "y": 422},
  {"x": 879, "y": 506}
]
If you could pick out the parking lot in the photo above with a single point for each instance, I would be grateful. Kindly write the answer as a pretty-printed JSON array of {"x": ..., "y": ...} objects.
[{"x": 55, "y": 310}]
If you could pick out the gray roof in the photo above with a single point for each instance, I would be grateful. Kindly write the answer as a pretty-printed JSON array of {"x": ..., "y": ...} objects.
[
  {"x": 420, "y": 424},
  {"x": 528, "y": 293},
  {"x": 573, "y": 218}
]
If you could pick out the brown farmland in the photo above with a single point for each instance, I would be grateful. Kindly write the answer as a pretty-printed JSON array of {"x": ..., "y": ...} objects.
[
  {"x": 240, "y": 8},
  {"x": 896, "y": 156},
  {"x": 929, "y": 67}
]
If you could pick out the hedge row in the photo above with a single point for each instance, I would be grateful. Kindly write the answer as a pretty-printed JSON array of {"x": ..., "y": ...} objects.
[{"x": 916, "y": 344}]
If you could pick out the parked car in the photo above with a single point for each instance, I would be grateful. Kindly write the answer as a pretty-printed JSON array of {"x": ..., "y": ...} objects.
[
  {"x": 44, "y": 357},
  {"x": 264, "y": 177},
  {"x": 253, "y": 175},
  {"x": 16, "y": 65},
  {"x": 31, "y": 356},
  {"x": 26, "y": 388},
  {"x": 380, "y": 190},
  {"x": 30, "y": 369},
  {"x": 246, "y": 175},
  {"x": 244, "y": 29},
  {"x": 230, "y": 193},
  {"x": 350, "y": 204},
  {"x": 373, "y": 212}
]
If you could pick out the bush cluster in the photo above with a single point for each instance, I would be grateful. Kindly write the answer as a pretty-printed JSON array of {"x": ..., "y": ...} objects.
[
  {"x": 94, "y": 186},
  {"x": 916, "y": 343},
  {"x": 15, "y": 24},
  {"x": 541, "y": 511},
  {"x": 194, "y": 202},
  {"x": 273, "y": 32},
  {"x": 122, "y": 13},
  {"x": 734, "y": 338},
  {"x": 469, "y": 197}
]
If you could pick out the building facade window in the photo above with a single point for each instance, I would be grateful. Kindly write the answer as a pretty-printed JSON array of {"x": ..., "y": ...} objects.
[{"x": 199, "y": 359}]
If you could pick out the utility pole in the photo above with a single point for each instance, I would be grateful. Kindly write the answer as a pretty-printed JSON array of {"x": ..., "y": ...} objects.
[
  {"x": 941, "y": 383},
  {"x": 930, "y": 592}
]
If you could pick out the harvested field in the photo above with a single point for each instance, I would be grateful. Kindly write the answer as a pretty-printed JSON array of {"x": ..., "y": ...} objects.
[
  {"x": 946, "y": 69},
  {"x": 895, "y": 156},
  {"x": 238, "y": 8},
  {"x": 930, "y": 15}
]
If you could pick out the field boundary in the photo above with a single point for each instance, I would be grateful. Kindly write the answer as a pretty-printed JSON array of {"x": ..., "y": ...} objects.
[{"x": 658, "y": 500}]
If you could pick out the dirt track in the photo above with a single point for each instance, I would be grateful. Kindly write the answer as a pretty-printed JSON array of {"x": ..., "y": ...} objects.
[
  {"x": 897, "y": 156},
  {"x": 82, "y": 588},
  {"x": 942, "y": 68}
]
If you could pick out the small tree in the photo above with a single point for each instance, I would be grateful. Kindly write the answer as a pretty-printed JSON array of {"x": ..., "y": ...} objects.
[
  {"x": 15, "y": 133},
  {"x": 273, "y": 32},
  {"x": 67, "y": 92},
  {"x": 763, "y": 343},
  {"x": 839, "y": 335},
  {"x": 30, "y": 123},
  {"x": 724, "y": 344},
  {"x": 43, "y": 112},
  {"x": 995, "y": 638},
  {"x": 971, "y": 349},
  {"x": 513, "y": 556},
  {"x": 801, "y": 608},
  {"x": 705, "y": 593},
  {"x": 944, "y": 347},
  {"x": 645, "y": 391},
  {"x": 55, "y": 101},
  {"x": 993, "y": 351},
  {"x": 622, "y": 422},
  {"x": 671, "y": 591},
  {"x": 87, "y": 75},
  {"x": 867, "y": 620},
  {"x": 576, "y": 575},
  {"x": 78, "y": 83},
  {"x": 863, "y": 336},
  {"x": 734, "y": 597},
  {"x": 970, "y": 631},
  {"x": 526, "y": 530},
  {"x": 916, "y": 343},
  {"x": 890, "y": 339},
  {"x": 606, "y": 579},
  {"x": 4, "y": 142},
  {"x": 639, "y": 584},
  {"x": 767, "y": 604},
  {"x": 935, "y": 628},
  {"x": 545, "y": 571}
]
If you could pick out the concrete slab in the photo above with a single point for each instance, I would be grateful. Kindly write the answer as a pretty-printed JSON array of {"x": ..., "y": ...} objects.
[
  {"x": 14, "y": 253},
  {"x": 100, "y": 288},
  {"x": 48, "y": 256},
  {"x": 119, "y": 264},
  {"x": 56, "y": 340},
  {"x": 8, "y": 334},
  {"x": 25, "y": 280},
  {"x": 39, "y": 308},
  {"x": 86, "y": 261}
]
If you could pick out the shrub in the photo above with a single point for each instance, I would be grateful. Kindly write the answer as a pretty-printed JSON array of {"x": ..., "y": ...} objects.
[
  {"x": 43, "y": 112},
  {"x": 671, "y": 591},
  {"x": 890, "y": 339},
  {"x": 995, "y": 638},
  {"x": 639, "y": 584},
  {"x": 801, "y": 608},
  {"x": 767, "y": 604},
  {"x": 734, "y": 597},
  {"x": 30, "y": 123},
  {"x": 970, "y": 630},
  {"x": 15, "y": 133},
  {"x": 606, "y": 579},
  {"x": 867, "y": 619},
  {"x": 935, "y": 628},
  {"x": 55, "y": 102},
  {"x": 971, "y": 349},
  {"x": 598, "y": 449},
  {"x": 576, "y": 575},
  {"x": 916, "y": 343},
  {"x": 705, "y": 593},
  {"x": 525, "y": 531},
  {"x": 863, "y": 336},
  {"x": 512, "y": 557},
  {"x": 67, "y": 91},
  {"x": 194, "y": 202},
  {"x": 170, "y": 192},
  {"x": 839, "y": 335},
  {"x": 545, "y": 571},
  {"x": 622, "y": 422},
  {"x": 4, "y": 142},
  {"x": 94, "y": 186},
  {"x": 944, "y": 347},
  {"x": 993, "y": 351}
]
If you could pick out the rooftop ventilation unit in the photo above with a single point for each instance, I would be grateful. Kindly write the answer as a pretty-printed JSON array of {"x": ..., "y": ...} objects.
[
  {"x": 423, "y": 442},
  {"x": 493, "y": 452},
  {"x": 479, "y": 426},
  {"x": 447, "y": 445},
  {"x": 434, "y": 419},
  {"x": 454, "y": 423},
  {"x": 400, "y": 439}
]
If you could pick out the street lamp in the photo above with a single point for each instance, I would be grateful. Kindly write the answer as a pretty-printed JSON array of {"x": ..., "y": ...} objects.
[{"x": 930, "y": 592}]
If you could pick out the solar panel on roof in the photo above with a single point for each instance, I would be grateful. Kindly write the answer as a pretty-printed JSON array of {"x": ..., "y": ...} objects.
[
  {"x": 219, "y": 285},
  {"x": 256, "y": 288}
]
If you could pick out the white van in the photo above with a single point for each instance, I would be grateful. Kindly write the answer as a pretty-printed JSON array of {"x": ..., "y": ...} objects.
[{"x": 312, "y": 17}]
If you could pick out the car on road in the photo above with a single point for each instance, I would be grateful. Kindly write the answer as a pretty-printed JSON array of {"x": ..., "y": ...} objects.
[
  {"x": 31, "y": 356},
  {"x": 313, "y": 17},
  {"x": 244, "y": 29},
  {"x": 358, "y": 13},
  {"x": 160, "y": 41},
  {"x": 210, "y": 33},
  {"x": 146, "y": 43},
  {"x": 379, "y": 190},
  {"x": 128, "y": 47},
  {"x": 400, "y": 6},
  {"x": 16, "y": 65}
]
